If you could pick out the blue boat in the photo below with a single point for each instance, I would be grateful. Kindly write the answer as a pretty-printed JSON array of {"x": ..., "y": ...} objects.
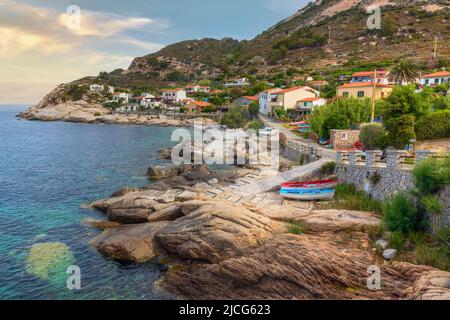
[{"x": 307, "y": 194}]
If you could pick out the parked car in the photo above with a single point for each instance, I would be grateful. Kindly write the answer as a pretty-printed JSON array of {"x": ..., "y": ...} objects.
[{"x": 268, "y": 132}]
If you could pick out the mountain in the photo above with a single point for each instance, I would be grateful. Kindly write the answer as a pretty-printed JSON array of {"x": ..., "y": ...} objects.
[{"x": 325, "y": 35}]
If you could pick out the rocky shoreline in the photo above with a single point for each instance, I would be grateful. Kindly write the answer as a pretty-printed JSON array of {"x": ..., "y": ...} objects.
[
  {"x": 84, "y": 112},
  {"x": 219, "y": 243}
]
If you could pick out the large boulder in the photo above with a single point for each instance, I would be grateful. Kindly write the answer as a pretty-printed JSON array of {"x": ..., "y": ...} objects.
[
  {"x": 215, "y": 230},
  {"x": 129, "y": 216},
  {"x": 130, "y": 243},
  {"x": 161, "y": 172}
]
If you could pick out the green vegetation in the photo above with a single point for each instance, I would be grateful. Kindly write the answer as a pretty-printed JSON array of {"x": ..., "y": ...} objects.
[
  {"x": 295, "y": 228},
  {"x": 340, "y": 114},
  {"x": 435, "y": 209},
  {"x": 234, "y": 118},
  {"x": 253, "y": 109},
  {"x": 75, "y": 92},
  {"x": 396, "y": 240},
  {"x": 372, "y": 136},
  {"x": 400, "y": 214},
  {"x": 404, "y": 71},
  {"x": 255, "y": 125},
  {"x": 349, "y": 198},
  {"x": 328, "y": 169},
  {"x": 432, "y": 175},
  {"x": 435, "y": 125},
  {"x": 436, "y": 257}
]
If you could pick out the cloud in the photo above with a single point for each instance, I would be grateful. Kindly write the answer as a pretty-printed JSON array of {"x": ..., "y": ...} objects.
[{"x": 38, "y": 51}]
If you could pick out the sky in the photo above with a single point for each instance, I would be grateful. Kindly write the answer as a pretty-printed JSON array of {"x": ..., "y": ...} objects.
[{"x": 42, "y": 45}]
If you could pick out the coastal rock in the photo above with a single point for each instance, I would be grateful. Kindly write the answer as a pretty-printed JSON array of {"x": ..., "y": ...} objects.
[
  {"x": 389, "y": 254},
  {"x": 167, "y": 214},
  {"x": 131, "y": 243},
  {"x": 160, "y": 172},
  {"x": 304, "y": 267},
  {"x": 129, "y": 216},
  {"x": 335, "y": 220},
  {"x": 382, "y": 244},
  {"x": 164, "y": 154},
  {"x": 100, "y": 224},
  {"x": 434, "y": 285},
  {"x": 214, "y": 230}
]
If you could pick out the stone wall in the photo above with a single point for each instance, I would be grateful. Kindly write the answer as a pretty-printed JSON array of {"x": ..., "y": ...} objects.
[
  {"x": 301, "y": 152},
  {"x": 344, "y": 139},
  {"x": 383, "y": 179}
]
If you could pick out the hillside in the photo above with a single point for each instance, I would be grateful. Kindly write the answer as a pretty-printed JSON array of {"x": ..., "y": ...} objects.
[{"x": 326, "y": 34}]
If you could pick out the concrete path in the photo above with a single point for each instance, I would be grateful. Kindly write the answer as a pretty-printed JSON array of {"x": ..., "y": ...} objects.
[{"x": 326, "y": 153}]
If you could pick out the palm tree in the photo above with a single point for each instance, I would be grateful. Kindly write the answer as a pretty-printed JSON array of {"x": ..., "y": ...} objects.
[{"x": 403, "y": 72}]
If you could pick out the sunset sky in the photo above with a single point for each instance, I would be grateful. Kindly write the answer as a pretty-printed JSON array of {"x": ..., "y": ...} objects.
[{"x": 38, "y": 51}]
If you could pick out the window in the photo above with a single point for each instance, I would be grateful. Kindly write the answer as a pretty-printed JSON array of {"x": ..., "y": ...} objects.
[
  {"x": 345, "y": 94},
  {"x": 360, "y": 94},
  {"x": 344, "y": 136},
  {"x": 427, "y": 81}
]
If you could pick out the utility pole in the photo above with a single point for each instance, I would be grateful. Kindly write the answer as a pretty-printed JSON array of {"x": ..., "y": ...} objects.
[
  {"x": 435, "y": 48},
  {"x": 372, "y": 115}
]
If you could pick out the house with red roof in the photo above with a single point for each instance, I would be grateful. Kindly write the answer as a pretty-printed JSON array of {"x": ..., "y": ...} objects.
[
  {"x": 197, "y": 106},
  {"x": 368, "y": 76},
  {"x": 363, "y": 90},
  {"x": 245, "y": 101},
  {"x": 271, "y": 99},
  {"x": 435, "y": 78}
]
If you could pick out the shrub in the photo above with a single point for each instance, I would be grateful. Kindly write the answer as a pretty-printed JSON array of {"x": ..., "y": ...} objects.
[
  {"x": 435, "y": 209},
  {"x": 295, "y": 228},
  {"x": 234, "y": 118},
  {"x": 432, "y": 175},
  {"x": 436, "y": 257},
  {"x": 280, "y": 112},
  {"x": 371, "y": 135},
  {"x": 434, "y": 126},
  {"x": 255, "y": 125},
  {"x": 399, "y": 214},
  {"x": 328, "y": 169},
  {"x": 349, "y": 198},
  {"x": 396, "y": 240},
  {"x": 400, "y": 131}
]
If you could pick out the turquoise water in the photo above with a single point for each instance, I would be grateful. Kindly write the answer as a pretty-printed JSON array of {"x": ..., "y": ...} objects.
[{"x": 47, "y": 170}]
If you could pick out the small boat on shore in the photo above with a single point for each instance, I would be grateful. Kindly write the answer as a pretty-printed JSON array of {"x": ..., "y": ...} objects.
[
  {"x": 324, "y": 184},
  {"x": 313, "y": 194}
]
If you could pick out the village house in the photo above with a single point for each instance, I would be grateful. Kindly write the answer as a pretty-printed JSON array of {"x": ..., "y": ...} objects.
[
  {"x": 310, "y": 103},
  {"x": 197, "y": 106},
  {"x": 363, "y": 90},
  {"x": 317, "y": 84},
  {"x": 237, "y": 82},
  {"x": 245, "y": 101},
  {"x": 117, "y": 96},
  {"x": 435, "y": 78},
  {"x": 174, "y": 95},
  {"x": 192, "y": 89},
  {"x": 204, "y": 89},
  {"x": 100, "y": 88},
  {"x": 367, "y": 76},
  {"x": 287, "y": 99}
]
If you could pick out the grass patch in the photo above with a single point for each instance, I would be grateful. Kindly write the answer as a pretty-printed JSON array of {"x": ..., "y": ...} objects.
[
  {"x": 435, "y": 257},
  {"x": 295, "y": 228},
  {"x": 396, "y": 241},
  {"x": 348, "y": 198}
]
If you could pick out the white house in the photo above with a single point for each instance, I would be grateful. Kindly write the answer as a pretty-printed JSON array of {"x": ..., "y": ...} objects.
[
  {"x": 122, "y": 95},
  {"x": 272, "y": 99},
  {"x": 174, "y": 95},
  {"x": 435, "y": 78},
  {"x": 204, "y": 89},
  {"x": 308, "y": 104},
  {"x": 96, "y": 87},
  {"x": 100, "y": 88},
  {"x": 237, "y": 82},
  {"x": 192, "y": 89}
]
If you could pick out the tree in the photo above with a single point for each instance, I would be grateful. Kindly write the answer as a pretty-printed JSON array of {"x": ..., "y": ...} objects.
[
  {"x": 400, "y": 131},
  {"x": 234, "y": 118},
  {"x": 403, "y": 72},
  {"x": 253, "y": 109},
  {"x": 371, "y": 135},
  {"x": 399, "y": 214},
  {"x": 334, "y": 121}
]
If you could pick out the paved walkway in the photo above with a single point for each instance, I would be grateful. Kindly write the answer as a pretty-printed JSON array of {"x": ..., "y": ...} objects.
[{"x": 330, "y": 155}]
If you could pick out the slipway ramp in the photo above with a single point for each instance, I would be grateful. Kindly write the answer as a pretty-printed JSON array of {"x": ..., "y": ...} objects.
[{"x": 272, "y": 182}]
